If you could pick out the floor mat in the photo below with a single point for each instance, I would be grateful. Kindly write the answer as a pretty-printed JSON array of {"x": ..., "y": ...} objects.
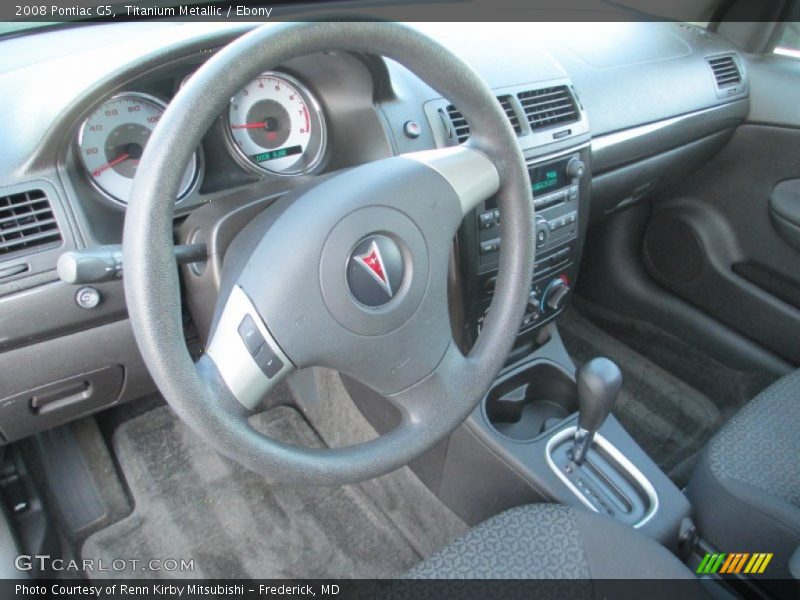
[
  {"x": 669, "y": 419},
  {"x": 191, "y": 503},
  {"x": 727, "y": 387}
]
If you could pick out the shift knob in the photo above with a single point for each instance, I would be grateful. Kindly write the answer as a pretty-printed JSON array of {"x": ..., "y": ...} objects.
[{"x": 599, "y": 382}]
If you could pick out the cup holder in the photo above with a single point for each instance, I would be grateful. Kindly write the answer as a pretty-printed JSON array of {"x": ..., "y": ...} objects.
[{"x": 531, "y": 400}]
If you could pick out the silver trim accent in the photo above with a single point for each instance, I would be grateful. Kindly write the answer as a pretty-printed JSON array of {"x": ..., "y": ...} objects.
[
  {"x": 583, "y": 441},
  {"x": 238, "y": 369},
  {"x": 199, "y": 164},
  {"x": 471, "y": 174},
  {"x": 626, "y": 135},
  {"x": 568, "y": 434}
]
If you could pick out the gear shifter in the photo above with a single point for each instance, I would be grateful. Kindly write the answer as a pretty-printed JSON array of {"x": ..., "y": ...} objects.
[{"x": 599, "y": 382}]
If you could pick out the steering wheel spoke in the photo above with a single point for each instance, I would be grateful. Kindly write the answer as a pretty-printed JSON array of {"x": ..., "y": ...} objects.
[
  {"x": 247, "y": 357},
  {"x": 471, "y": 174}
]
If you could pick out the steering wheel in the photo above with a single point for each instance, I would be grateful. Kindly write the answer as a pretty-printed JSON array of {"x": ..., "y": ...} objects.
[{"x": 349, "y": 273}]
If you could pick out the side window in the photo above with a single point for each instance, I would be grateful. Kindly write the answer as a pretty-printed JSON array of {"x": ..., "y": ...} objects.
[{"x": 789, "y": 41}]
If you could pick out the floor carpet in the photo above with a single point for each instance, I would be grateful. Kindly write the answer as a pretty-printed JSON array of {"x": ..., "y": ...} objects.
[
  {"x": 669, "y": 419},
  {"x": 191, "y": 503}
]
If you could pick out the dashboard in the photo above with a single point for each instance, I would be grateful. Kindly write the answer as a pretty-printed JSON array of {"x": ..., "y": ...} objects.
[{"x": 606, "y": 115}]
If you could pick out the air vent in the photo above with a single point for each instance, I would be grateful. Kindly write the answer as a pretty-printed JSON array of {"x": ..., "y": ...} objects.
[
  {"x": 461, "y": 127},
  {"x": 27, "y": 221},
  {"x": 549, "y": 106},
  {"x": 726, "y": 71},
  {"x": 508, "y": 108}
]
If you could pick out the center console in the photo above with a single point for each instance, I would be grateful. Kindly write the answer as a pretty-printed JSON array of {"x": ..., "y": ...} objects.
[
  {"x": 550, "y": 425},
  {"x": 559, "y": 202}
]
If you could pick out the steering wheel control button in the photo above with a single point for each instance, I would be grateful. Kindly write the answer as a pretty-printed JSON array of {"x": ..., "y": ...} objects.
[
  {"x": 268, "y": 362},
  {"x": 246, "y": 356},
  {"x": 88, "y": 298},
  {"x": 375, "y": 271},
  {"x": 257, "y": 346},
  {"x": 251, "y": 336}
]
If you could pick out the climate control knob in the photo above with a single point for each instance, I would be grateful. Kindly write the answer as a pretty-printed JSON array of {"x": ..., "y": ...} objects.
[
  {"x": 576, "y": 168},
  {"x": 555, "y": 295},
  {"x": 534, "y": 305}
]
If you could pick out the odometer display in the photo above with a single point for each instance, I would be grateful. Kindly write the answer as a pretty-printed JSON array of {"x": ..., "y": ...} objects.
[
  {"x": 275, "y": 125},
  {"x": 276, "y": 154},
  {"x": 113, "y": 138}
]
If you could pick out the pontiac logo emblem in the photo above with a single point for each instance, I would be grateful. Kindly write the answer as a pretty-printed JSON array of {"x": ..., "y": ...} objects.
[
  {"x": 372, "y": 261},
  {"x": 375, "y": 270}
]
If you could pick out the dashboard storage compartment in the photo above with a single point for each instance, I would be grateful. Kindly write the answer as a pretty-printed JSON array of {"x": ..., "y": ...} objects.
[
  {"x": 46, "y": 406},
  {"x": 530, "y": 400}
]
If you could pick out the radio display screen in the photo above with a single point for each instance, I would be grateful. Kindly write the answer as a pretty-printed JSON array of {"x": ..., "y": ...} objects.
[{"x": 548, "y": 178}]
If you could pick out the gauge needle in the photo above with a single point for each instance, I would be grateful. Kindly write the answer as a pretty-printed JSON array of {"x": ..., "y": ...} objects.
[
  {"x": 121, "y": 158},
  {"x": 250, "y": 126}
]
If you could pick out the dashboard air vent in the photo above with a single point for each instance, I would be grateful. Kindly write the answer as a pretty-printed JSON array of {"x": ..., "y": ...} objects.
[
  {"x": 726, "y": 71},
  {"x": 461, "y": 127},
  {"x": 549, "y": 106},
  {"x": 508, "y": 108},
  {"x": 27, "y": 221}
]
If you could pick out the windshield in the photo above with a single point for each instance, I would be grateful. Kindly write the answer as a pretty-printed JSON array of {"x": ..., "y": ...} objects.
[{"x": 11, "y": 28}]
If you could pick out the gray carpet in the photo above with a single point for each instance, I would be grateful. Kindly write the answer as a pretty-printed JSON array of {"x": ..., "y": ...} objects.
[
  {"x": 727, "y": 387},
  {"x": 192, "y": 503},
  {"x": 669, "y": 419}
]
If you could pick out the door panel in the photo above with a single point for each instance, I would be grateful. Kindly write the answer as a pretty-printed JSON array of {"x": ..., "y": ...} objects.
[{"x": 726, "y": 240}]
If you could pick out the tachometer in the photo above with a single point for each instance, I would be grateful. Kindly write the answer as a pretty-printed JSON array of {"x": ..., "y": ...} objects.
[
  {"x": 276, "y": 125},
  {"x": 112, "y": 140}
]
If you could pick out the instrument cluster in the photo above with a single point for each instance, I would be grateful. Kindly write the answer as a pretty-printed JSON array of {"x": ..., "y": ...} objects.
[{"x": 273, "y": 125}]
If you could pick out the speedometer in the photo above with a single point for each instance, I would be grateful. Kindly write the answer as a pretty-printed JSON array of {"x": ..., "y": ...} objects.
[
  {"x": 112, "y": 140},
  {"x": 276, "y": 125}
]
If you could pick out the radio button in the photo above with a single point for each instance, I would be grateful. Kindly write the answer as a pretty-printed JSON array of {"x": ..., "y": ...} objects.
[
  {"x": 573, "y": 191},
  {"x": 542, "y": 232},
  {"x": 490, "y": 246}
]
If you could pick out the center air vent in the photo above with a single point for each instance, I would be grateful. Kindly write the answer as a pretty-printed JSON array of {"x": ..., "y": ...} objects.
[
  {"x": 508, "y": 108},
  {"x": 27, "y": 221},
  {"x": 461, "y": 127},
  {"x": 726, "y": 71},
  {"x": 549, "y": 106}
]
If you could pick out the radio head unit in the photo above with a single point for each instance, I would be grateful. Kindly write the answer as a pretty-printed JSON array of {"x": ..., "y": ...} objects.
[{"x": 559, "y": 200}]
